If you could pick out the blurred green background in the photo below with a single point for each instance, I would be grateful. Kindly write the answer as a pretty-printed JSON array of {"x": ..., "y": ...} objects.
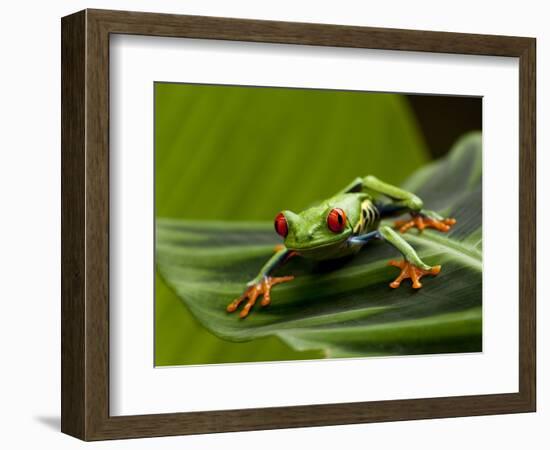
[{"x": 245, "y": 153}]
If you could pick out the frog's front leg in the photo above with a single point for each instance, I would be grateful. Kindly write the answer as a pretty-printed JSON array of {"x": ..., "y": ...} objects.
[
  {"x": 262, "y": 284},
  {"x": 411, "y": 266}
]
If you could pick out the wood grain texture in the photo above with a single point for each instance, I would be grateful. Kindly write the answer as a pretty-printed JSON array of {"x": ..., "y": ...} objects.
[
  {"x": 72, "y": 223},
  {"x": 85, "y": 224},
  {"x": 527, "y": 228}
]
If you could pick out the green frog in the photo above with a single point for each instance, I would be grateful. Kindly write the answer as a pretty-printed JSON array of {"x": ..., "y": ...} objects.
[{"x": 343, "y": 225}]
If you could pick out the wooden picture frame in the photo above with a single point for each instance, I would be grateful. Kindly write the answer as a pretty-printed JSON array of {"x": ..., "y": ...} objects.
[{"x": 85, "y": 224}]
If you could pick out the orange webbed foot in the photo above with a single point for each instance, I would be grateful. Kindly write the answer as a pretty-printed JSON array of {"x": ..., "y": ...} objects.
[
  {"x": 421, "y": 222},
  {"x": 408, "y": 270},
  {"x": 253, "y": 292}
]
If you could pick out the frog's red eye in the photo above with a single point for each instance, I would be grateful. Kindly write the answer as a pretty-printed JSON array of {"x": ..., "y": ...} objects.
[
  {"x": 336, "y": 220},
  {"x": 281, "y": 225}
]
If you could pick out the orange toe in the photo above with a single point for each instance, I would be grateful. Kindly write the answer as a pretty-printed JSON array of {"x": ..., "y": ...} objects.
[
  {"x": 252, "y": 293},
  {"x": 421, "y": 222},
  {"x": 412, "y": 272}
]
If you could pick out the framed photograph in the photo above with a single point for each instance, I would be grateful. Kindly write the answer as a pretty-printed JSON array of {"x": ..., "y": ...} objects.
[{"x": 271, "y": 224}]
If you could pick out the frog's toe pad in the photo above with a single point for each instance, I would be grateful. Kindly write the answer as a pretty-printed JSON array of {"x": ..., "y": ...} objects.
[
  {"x": 252, "y": 293},
  {"x": 421, "y": 222},
  {"x": 408, "y": 270}
]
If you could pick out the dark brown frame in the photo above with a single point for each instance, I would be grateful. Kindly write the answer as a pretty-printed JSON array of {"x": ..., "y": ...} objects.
[{"x": 85, "y": 224}]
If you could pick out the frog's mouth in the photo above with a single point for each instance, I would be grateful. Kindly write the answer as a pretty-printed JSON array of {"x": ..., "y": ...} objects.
[{"x": 326, "y": 248}]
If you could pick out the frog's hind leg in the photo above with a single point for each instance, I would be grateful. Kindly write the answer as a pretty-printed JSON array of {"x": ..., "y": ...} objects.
[
  {"x": 411, "y": 266},
  {"x": 425, "y": 219},
  {"x": 401, "y": 201}
]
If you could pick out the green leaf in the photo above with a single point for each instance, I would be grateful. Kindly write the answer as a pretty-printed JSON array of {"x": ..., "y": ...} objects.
[{"x": 344, "y": 308}]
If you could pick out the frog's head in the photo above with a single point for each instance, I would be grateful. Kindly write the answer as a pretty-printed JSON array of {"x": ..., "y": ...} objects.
[{"x": 318, "y": 228}]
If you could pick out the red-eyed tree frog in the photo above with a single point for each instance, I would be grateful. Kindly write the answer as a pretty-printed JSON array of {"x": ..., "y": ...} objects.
[{"x": 343, "y": 225}]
